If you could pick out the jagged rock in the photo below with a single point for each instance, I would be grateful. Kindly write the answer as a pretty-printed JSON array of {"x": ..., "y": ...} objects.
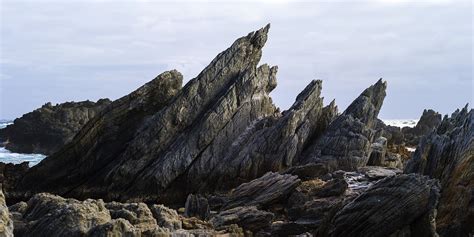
[
  {"x": 393, "y": 134},
  {"x": 196, "y": 206},
  {"x": 378, "y": 152},
  {"x": 447, "y": 154},
  {"x": 48, "y": 128},
  {"x": 10, "y": 174},
  {"x": 113, "y": 228},
  {"x": 102, "y": 139},
  {"x": 6, "y": 223},
  {"x": 261, "y": 192},
  {"x": 166, "y": 217},
  {"x": 273, "y": 144},
  {"x": 429, "y": 120},
  {"x": 193, "y": 223},
  {"x": 199, "y": 123},
  {"x": 249, "y": 218},
  {"x": 311, "y": 189},
  {"x": 137, "y": 214},
  {"x": 389, "y": 206},
  {"x": 346, "y": 142},
  {"x": 50, "y": 215}
]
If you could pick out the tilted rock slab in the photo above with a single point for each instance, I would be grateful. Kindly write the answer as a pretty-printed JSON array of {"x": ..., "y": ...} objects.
[
  {"x": 346, "y": 142},
  {"x": 398, "y": 203},
  {"x": 448, "y": 155},
  {"x": 6, "y": 223}
]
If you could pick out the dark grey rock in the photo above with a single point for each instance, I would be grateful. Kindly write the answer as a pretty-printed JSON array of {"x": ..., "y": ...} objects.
[
  {"x": 389, "y": 206},
  {"x": 346, "y": 142},
  {"x": 248, "y": 217},
  {"x": 378, "y": 152},
  {"x": 197, "y": 206},
  {"x": 268, "y": 189},
  {"x": 447, "y": 154},
  {"x": 48, "y": 128},
  {"x": 429, "y": 121}
]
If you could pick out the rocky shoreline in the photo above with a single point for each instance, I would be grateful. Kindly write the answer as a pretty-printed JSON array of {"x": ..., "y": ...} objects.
[{"x": 217, "y": 158}]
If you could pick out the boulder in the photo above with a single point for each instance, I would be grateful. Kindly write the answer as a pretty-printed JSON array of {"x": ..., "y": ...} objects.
[
  {"x": 378, "y": 152},
  {"x": 47, "y": 129},
  {"x": 346, "y": 142},
  {"x": 166, "y": 217},
  {"x": 248, "y": 217},
  {"x": 197, "y": 206},
  {"x": 268, "y": 189},
  {"x": 116, "y": 227},
  {"x": 447, "y": 154},
  {"x": 389, "y": 206},
  {"x": 50, "y": 215},
  {"x": 137, "y": 214}
]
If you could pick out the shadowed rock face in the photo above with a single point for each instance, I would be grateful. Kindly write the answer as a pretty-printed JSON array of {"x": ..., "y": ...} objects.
[
  {"x": 448, "y": 155},
  {"x": 429, "y": 120},
  {"x": 47, "y": 129},
  {"x": 346, "y": 142},
  {"x": 102, "y": 139},
  {"x": 391, "y": 206}
]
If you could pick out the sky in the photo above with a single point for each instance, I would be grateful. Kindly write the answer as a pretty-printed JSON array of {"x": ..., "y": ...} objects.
[{"x": 58, "y": 51}]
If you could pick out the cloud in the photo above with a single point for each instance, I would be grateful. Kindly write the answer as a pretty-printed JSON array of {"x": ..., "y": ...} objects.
[{"x": 61, "y": 51}]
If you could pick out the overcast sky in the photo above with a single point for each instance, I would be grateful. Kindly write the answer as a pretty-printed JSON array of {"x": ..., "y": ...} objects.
[{"x": 76, "y": 50}]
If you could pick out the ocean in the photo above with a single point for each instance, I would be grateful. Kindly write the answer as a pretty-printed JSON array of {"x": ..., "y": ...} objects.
[{"x": 7, "y": 156}]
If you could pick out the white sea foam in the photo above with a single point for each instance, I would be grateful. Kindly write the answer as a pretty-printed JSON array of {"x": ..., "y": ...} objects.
[
  {"x": 7, "y": 156},
  {"x": 401, "y": 122}
]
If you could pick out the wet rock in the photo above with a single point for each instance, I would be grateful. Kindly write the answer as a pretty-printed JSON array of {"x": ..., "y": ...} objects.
[
  {"x": 166, "y": 217},
  {"x": 346, "y": 142},
  {"x": 378, "y": 152},
  {"x": 48, "y": 128},
  {"x": 50, "y": 215},
  {"x": 196, "y": 206},
  {"x": 389, "y": 206},
  {"x": 137, "y": 214},
  {"x": 248, "y": 217},
  {"x": 447, "y": 154},
  {"x": 268, "y": 189},
  {"x": 6, "y": 223}
]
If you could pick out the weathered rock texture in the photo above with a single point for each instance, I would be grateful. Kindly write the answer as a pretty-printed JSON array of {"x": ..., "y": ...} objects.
[
  {"x": 47, "y": 129},
  {"x": 6, "y": 223},
  {"x": 97, "y": 145},
  {"x": 393, "y": 204},
  {"x": 448, "y": 155},
  {"x": 346, "y": 142},
  {"x": 10, "y": 174},
  {"x": 249, "y": 218}
]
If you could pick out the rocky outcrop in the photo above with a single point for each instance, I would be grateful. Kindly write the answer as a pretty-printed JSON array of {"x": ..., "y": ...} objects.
[
  {"x": 448, "y": 155},
  {"x": 429, "y": 120},
  {"x": 102, "y": 139},
  {"x": 6, "y": 223},
  {"x": 166, "y": 217},
  {"x": 404, "y": 203},
  {"x": 378, "y": 152},
  {"x": 197, "y": 206},
  {"x": 47, "y": 129},
  {"x": 346, "y": 142}
]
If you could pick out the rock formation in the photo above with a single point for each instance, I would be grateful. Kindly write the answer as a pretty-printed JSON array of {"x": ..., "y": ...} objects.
[
  {"x": 405, "y": 203},
  {"x": 429, "y": 120},
  {"x": 448, "y": 155},
  {"x": 47, "y": 129},
  {"x": 345, "y": 144}
]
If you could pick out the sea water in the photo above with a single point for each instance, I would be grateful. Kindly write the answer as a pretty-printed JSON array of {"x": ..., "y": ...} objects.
[{"x": 7, "y": 156}]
